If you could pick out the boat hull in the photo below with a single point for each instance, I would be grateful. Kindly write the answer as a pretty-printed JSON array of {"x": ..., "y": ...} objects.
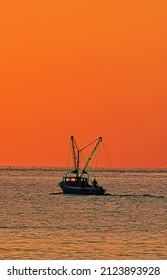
[{"x": 81, "y": 190}]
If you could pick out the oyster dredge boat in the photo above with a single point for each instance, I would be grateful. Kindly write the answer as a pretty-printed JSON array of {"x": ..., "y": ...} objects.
[{"x": 77, "y": 180}]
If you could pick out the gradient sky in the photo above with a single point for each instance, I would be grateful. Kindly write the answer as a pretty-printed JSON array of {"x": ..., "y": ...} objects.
[{"x": 89, "y": 68}]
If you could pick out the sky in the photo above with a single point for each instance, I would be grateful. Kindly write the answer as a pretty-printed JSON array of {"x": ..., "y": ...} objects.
[{"x": 89, "y": 68}]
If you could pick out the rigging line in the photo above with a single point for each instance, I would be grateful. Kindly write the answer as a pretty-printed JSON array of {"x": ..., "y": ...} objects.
[
  {"x": 118, "y": 185},
  {"x": 96, "y": 158},
  {"x": 98, "y": 152},
  {"x": 69, "y": 157},
  {"x": 90, "y": 144},
  {"x": 94, "y": 163},
  {"x": 107, "y": 156},
  {"x": 83, "y": 157}
]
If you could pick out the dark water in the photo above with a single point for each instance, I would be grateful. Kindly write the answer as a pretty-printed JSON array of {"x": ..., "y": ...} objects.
[{"x": 128, "y": 224}]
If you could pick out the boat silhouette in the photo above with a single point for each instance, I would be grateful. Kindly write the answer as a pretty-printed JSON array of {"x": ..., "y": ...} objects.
[{"x": 77, "y": 180}]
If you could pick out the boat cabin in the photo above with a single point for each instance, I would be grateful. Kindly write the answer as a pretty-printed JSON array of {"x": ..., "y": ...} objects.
[{"x": 76, "y": 181}]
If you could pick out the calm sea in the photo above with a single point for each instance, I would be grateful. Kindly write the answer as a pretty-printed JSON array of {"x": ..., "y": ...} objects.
[{"x": 128, "y": 224}]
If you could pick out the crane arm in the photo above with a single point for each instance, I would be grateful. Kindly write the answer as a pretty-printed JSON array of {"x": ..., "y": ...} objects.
[{"x": 99, "y": 140}]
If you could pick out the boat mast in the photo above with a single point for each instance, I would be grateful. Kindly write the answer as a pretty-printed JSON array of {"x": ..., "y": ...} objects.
[{"x": 75, "y": 157}]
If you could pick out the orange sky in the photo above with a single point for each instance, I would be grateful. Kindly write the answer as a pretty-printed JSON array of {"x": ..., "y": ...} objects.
[{"x": 88, "y": 68}]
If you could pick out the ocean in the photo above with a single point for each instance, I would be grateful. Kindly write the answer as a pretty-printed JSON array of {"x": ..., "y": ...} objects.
[{"x": 38, "y": 222}]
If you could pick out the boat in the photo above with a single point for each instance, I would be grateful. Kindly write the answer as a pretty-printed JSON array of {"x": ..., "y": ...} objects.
[{"x": 77, "y": 180}]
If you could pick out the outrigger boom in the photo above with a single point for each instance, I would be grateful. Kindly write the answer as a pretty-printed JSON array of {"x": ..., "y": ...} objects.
[{"x": 77, "y": 159}]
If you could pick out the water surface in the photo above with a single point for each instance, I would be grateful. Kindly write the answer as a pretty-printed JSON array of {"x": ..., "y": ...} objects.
[{"x": 128, "y": 224}]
